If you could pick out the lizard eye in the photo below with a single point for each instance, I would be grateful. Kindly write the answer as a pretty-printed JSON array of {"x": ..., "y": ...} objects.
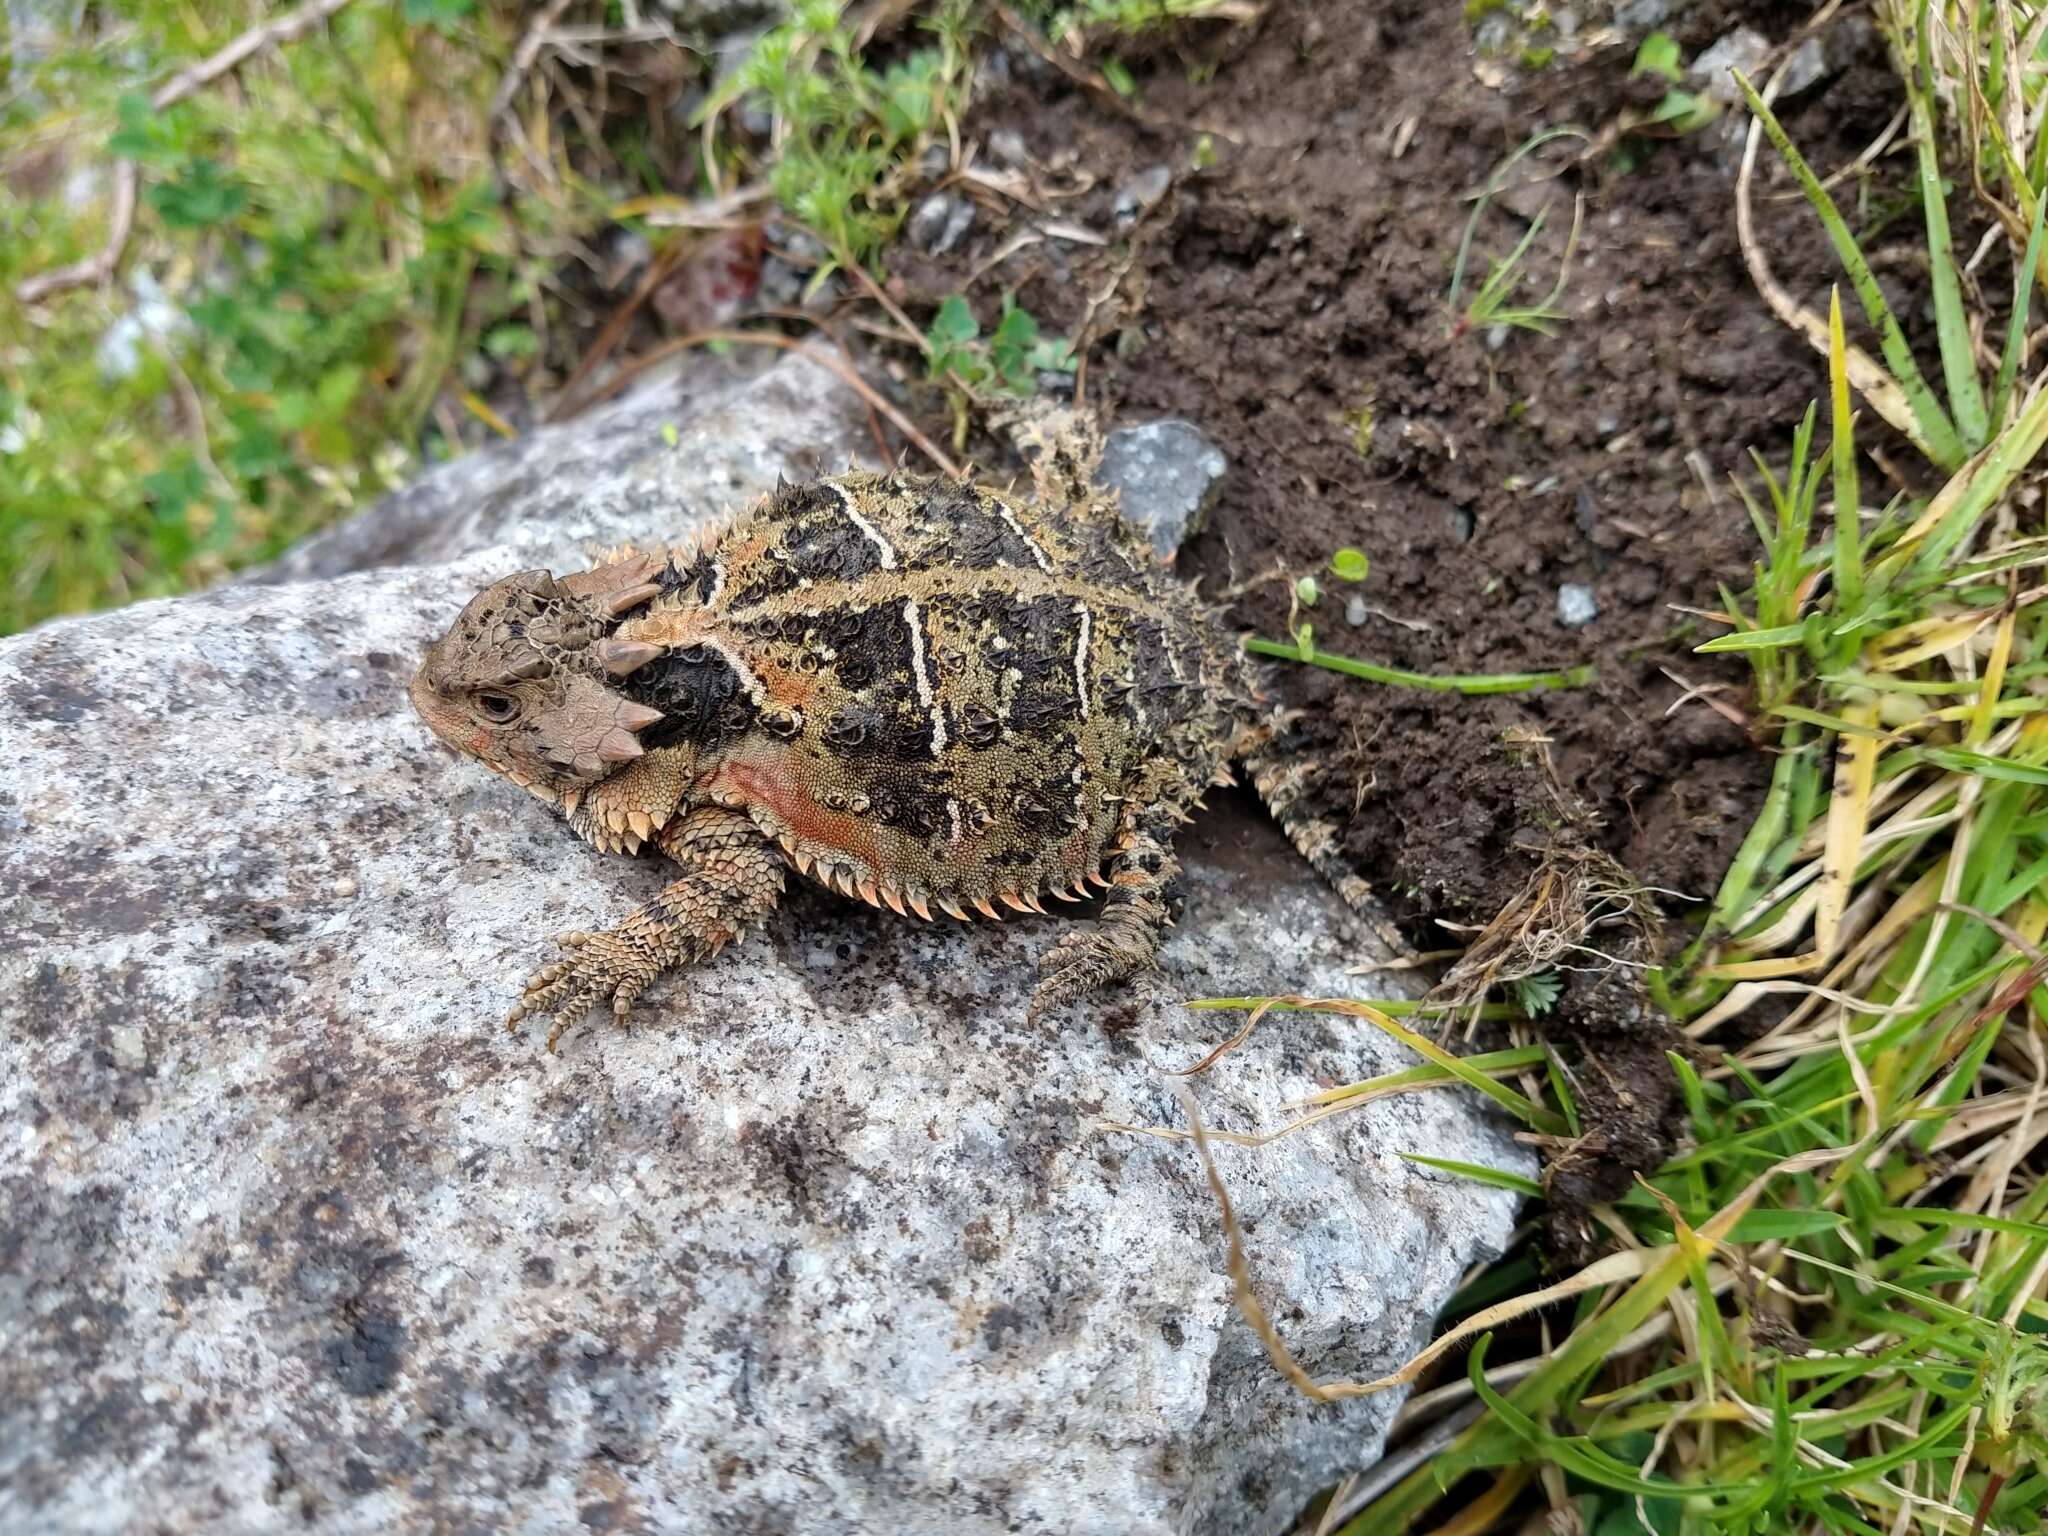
[{"x": 497, "y": 708}]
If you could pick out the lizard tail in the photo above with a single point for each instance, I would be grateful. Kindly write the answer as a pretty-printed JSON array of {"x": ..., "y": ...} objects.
[{"x": 1282, "y": 778}]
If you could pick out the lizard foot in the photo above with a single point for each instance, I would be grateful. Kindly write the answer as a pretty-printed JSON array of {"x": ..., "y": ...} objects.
[
  {"x": 1123, "y": 942},
  {"x": 614, "y": 967},
  {"x": 731, "y": 881}
]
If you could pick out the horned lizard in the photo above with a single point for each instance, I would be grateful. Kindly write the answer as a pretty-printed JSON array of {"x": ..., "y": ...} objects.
[{"x": 922, "y": 693}]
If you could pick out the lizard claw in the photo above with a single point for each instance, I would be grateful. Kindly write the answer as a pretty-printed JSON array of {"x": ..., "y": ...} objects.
[
  {"x": 1076, "y": 965},
  {"x": 1124, "y": 941},
  {"x": 613, "y": 967}
]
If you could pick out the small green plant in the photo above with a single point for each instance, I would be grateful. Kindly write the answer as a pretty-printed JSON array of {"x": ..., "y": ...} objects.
[
  {"x": 1009, "y": 358},
  {"x": 1067, "y": 23},
  {"x": 1362, "y": 422},
  {"x": 1537, "y": 994},
  {"x": 1007, "y": 361},
  {"x": 1496, "y": 302},
  {"x": 1681, "y": 111},
  {"x": 847, "y": 138},
  {"x": 1350, "y": 564},
  {"x": 1346, "y": 565}
]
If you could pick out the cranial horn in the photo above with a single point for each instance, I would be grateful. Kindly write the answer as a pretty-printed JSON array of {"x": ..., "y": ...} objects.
[
  {"x": 612, "y": 589},
  {"x": 523, "y": 668},
  {"x": 623, "y": 657},
  {"x": 619, "y": 747},
  {"x": 635, "y": 717},
  {"x": 615, "y": 603}
]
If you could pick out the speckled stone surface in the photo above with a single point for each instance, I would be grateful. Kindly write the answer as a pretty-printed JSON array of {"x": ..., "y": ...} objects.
[
  {"x": 293, "y": 1235},
  {"x": 1167, "y": 475}
]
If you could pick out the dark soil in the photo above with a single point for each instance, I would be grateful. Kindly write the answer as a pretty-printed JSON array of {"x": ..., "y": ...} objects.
[{"x": 1300, "y": 277}]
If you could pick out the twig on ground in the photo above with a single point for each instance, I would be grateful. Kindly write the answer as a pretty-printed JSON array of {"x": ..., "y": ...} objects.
[
  {"x": 523, "y": 58},
  {"x": 1093, "y": 81},
  {"x": 501, "y": 113},
  {"x": 875, "y": 399},
  {"x": 873, "y": 289},
  {"x": 97, "y": 268},
  {"x": 658, "y": 272}
]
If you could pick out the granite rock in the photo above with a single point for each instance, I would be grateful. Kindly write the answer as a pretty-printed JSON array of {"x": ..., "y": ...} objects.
[
  {"x": 1167, "y": 475},
  {"x": 293, "y": 1234}
]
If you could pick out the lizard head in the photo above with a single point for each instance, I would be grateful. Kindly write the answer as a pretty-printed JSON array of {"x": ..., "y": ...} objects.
[{"x": 515, "y": 684}]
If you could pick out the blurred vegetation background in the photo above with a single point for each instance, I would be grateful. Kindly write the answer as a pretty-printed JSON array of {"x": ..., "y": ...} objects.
[
  {"x": 319, "y": 248},
  {"x": 367, "y": 234}
]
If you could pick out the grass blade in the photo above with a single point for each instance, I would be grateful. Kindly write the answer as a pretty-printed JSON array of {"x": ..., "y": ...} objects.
[
  {"x": 2003, "y": 769},
  {"x": 1848, "y": 820},
  {"x": 1937, "y": 431},
  {"x": 1474, "y": 683},
  {"x": 1755, "y": 639},
  {"x": 1848, "y": 552},
  {"x": 1951, "y": 326},
  {"x": 2016, "y": 329},
  {"x": 1479, "y": 1173}
]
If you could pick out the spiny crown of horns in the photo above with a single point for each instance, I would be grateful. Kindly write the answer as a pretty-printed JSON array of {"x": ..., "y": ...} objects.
[{"x": 518, "y": 680}]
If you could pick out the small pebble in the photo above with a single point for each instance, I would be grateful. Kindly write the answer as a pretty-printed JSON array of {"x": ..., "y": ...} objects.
[
  {"x": 804, "y": 248},
  {"x": 631, "y": 251},
  {"x": 1642, "y": 15},
  {"x": 1007, "y": 145},
  {"x": 1745, "y": 49},
  {"x": 1576, "y": 605},
  {"x": 344, "y": 888},
  {"x": 1141, "y": 193},
  {"x": 1167, "y": 475},
  {"x": 941, "y": 222},
  {"x": 782, "y": 285},
  {"x": 1464, "y": 523},
  {"x": 1808, "y": 63},
  {"x": 1494, "y": 33}
]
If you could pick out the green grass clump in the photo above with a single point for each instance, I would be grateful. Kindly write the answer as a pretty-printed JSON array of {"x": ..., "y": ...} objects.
[
  {"x": 317, "y": 242},
  {"x": 847, "y": 138},
  {"x": 1128, "y": 18},
  {"x": 1496, "y": 301},
  {"x": 1828, "y": 1310}
]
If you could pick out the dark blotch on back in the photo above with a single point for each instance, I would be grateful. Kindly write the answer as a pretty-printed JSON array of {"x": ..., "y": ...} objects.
[
  {"x": 1043, "y": 634},
  {"x": 871, "y": 645},
  {"x": 697, "y": 692},
  {"x": 975, "y": 536}
]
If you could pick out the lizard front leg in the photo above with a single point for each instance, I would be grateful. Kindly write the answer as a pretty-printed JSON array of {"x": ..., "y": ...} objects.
[{"x": 732, "y": 879}]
